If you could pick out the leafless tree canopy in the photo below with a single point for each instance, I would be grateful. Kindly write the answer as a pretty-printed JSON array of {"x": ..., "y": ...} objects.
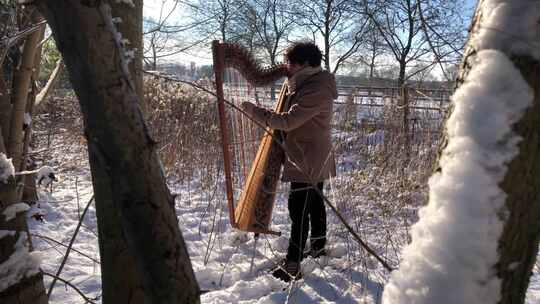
[{"x": 412, "y": 37}]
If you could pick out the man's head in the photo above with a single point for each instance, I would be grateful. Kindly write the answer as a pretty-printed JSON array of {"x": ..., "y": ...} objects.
[{"x": 301, "y": 54}]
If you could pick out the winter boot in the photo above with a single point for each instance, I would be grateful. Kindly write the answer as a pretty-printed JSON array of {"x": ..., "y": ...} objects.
[
  {"x": 315, "y": 253},
  {"x": 287, "y": 271}
]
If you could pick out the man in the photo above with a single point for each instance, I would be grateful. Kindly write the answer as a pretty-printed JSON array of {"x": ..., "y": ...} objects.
[{"x": 308, "y": 148}]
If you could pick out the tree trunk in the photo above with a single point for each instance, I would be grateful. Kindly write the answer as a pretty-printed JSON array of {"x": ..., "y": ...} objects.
[
  {"x": 21, "y": 82},
  {"x": 131, "y": 29},
  {"x": 518, "y": 244},
  {"x": 29, "y": 192},
  {"x": 55, "y": 75},
  {"x": 125, "y": 166},
  {"x": 401, "y": 76},
  {"x": 491, "y": 247},
  {"x": 29, "y": 288},
  {"x": 2, "y": 145},
  {"x": 121, "y": 281},
  {"x": 327, "y": 52},
  {"x": 5, "y": 109},
  {"x": 405, "y": 126}
]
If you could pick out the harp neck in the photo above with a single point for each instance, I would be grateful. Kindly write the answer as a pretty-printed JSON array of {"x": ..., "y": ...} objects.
[{"x": 230, "y": 55}]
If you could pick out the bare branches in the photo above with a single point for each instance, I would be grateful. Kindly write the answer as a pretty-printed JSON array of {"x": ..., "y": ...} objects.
[
  {"x": 281, "y": 144},
  {"x": 48, "y": 239},
  {"x": 10, "y": 40},
  {"x": 338, "y": 24},
  {"x": 416, "y": 29},
  {"x": 50, "y": 84},
  {"x": 66, "y": 255},
  {"x": 270, "y": 22},
  {"x": 57, "y": 278}
]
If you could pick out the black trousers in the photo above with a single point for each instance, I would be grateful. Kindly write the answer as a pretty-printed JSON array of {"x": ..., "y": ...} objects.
[{"x": 306, "y": 207}]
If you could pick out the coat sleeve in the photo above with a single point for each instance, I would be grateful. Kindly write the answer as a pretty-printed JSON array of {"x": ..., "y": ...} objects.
[{"x": 307, "y": 106}]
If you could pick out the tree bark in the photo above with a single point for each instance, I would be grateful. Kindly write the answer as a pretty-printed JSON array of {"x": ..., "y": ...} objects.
[
  {"x": 29, "y": 289},
  {"x": 518, "y": 244},
  {"x": 125, "y": 166},
  {"x": 131, "y": 29},
  {"x": 21, "y": 82},
  {"x": 121, "y": 280},
  {"x": 44, "y": 93},
  {"x": 5, "y": 109},
  {"x": 29, "y": 192}
]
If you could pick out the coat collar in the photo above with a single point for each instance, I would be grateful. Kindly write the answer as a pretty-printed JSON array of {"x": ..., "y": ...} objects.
[{"x": 299, "y": 77}]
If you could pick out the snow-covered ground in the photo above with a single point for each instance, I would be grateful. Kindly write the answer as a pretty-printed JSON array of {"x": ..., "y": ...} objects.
[
  {"x": 228, "y": 264},
  {"x": 221, "y": 257}
]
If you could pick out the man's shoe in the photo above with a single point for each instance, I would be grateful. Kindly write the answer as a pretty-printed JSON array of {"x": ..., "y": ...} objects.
[{"x": 287, "y": 271}]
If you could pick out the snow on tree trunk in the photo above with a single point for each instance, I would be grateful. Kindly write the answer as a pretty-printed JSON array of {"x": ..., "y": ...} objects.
[
  {"x": 21, "y": 278},
  {"x": 130, "y": 25},
  {"x": 477, "y": 239},
  {"x": 125, "y": 166}
]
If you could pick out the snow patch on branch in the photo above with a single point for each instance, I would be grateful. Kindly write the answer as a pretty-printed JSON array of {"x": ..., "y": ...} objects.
[
  {"x": 45, "y": 176},
  {"x": 6, "y": 168},
  {"x": 128, "y": 2},
  {"x": 22, "y": 263},
  {"x": 11, "y": 211},
  {"x": 4, "y": 233},
  {"x": 27, "y": 119},
  {"x": 454, "y": 244}
]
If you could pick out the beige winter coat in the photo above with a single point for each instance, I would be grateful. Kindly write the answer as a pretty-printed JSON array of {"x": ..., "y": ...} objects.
[{"x": 309, "y": 156}]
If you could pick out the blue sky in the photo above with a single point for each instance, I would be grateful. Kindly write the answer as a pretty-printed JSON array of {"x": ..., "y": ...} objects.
[{"x": 152, "y": 9}]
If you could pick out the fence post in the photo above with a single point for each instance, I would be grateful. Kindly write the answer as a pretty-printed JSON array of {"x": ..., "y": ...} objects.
[{"x": 405, "y": 122}]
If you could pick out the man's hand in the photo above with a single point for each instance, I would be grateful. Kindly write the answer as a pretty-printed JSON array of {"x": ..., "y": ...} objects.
[{"x": 258, "y": 114}]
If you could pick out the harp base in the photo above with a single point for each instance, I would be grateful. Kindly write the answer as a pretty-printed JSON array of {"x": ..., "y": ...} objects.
[{"x": 263, "y": 231}]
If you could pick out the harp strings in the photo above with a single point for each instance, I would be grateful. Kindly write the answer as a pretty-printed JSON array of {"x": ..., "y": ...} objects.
[{"x": 244, "y": 135}]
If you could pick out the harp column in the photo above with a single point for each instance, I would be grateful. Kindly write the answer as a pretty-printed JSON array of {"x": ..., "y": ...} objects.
[{"x": 219, "y": 67}]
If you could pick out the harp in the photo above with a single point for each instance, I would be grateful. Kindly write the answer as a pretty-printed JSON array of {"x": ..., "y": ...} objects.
[{"x": 255, "y": 202}]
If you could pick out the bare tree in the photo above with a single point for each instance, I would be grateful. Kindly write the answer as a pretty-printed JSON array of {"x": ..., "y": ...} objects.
[
  {"x": 370, "y": 54},
  {"x": 24, "y": 280},
  {"x": 271, "y": 24},
  {"x": 400, "y": 23},
  {"x": 156, "y": 43},
  {"x": 125, "y": 167},
  {"x": 163, "y": 35},
  {"x": 266, "y": 25},
  {"x": 216, "y": 18},
  {"x": 166, "y": 38},
  {"x": 336, "y": 23}
]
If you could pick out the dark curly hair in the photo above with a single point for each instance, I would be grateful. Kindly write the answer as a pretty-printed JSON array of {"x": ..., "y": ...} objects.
[{"x": 304, "y": 52}]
